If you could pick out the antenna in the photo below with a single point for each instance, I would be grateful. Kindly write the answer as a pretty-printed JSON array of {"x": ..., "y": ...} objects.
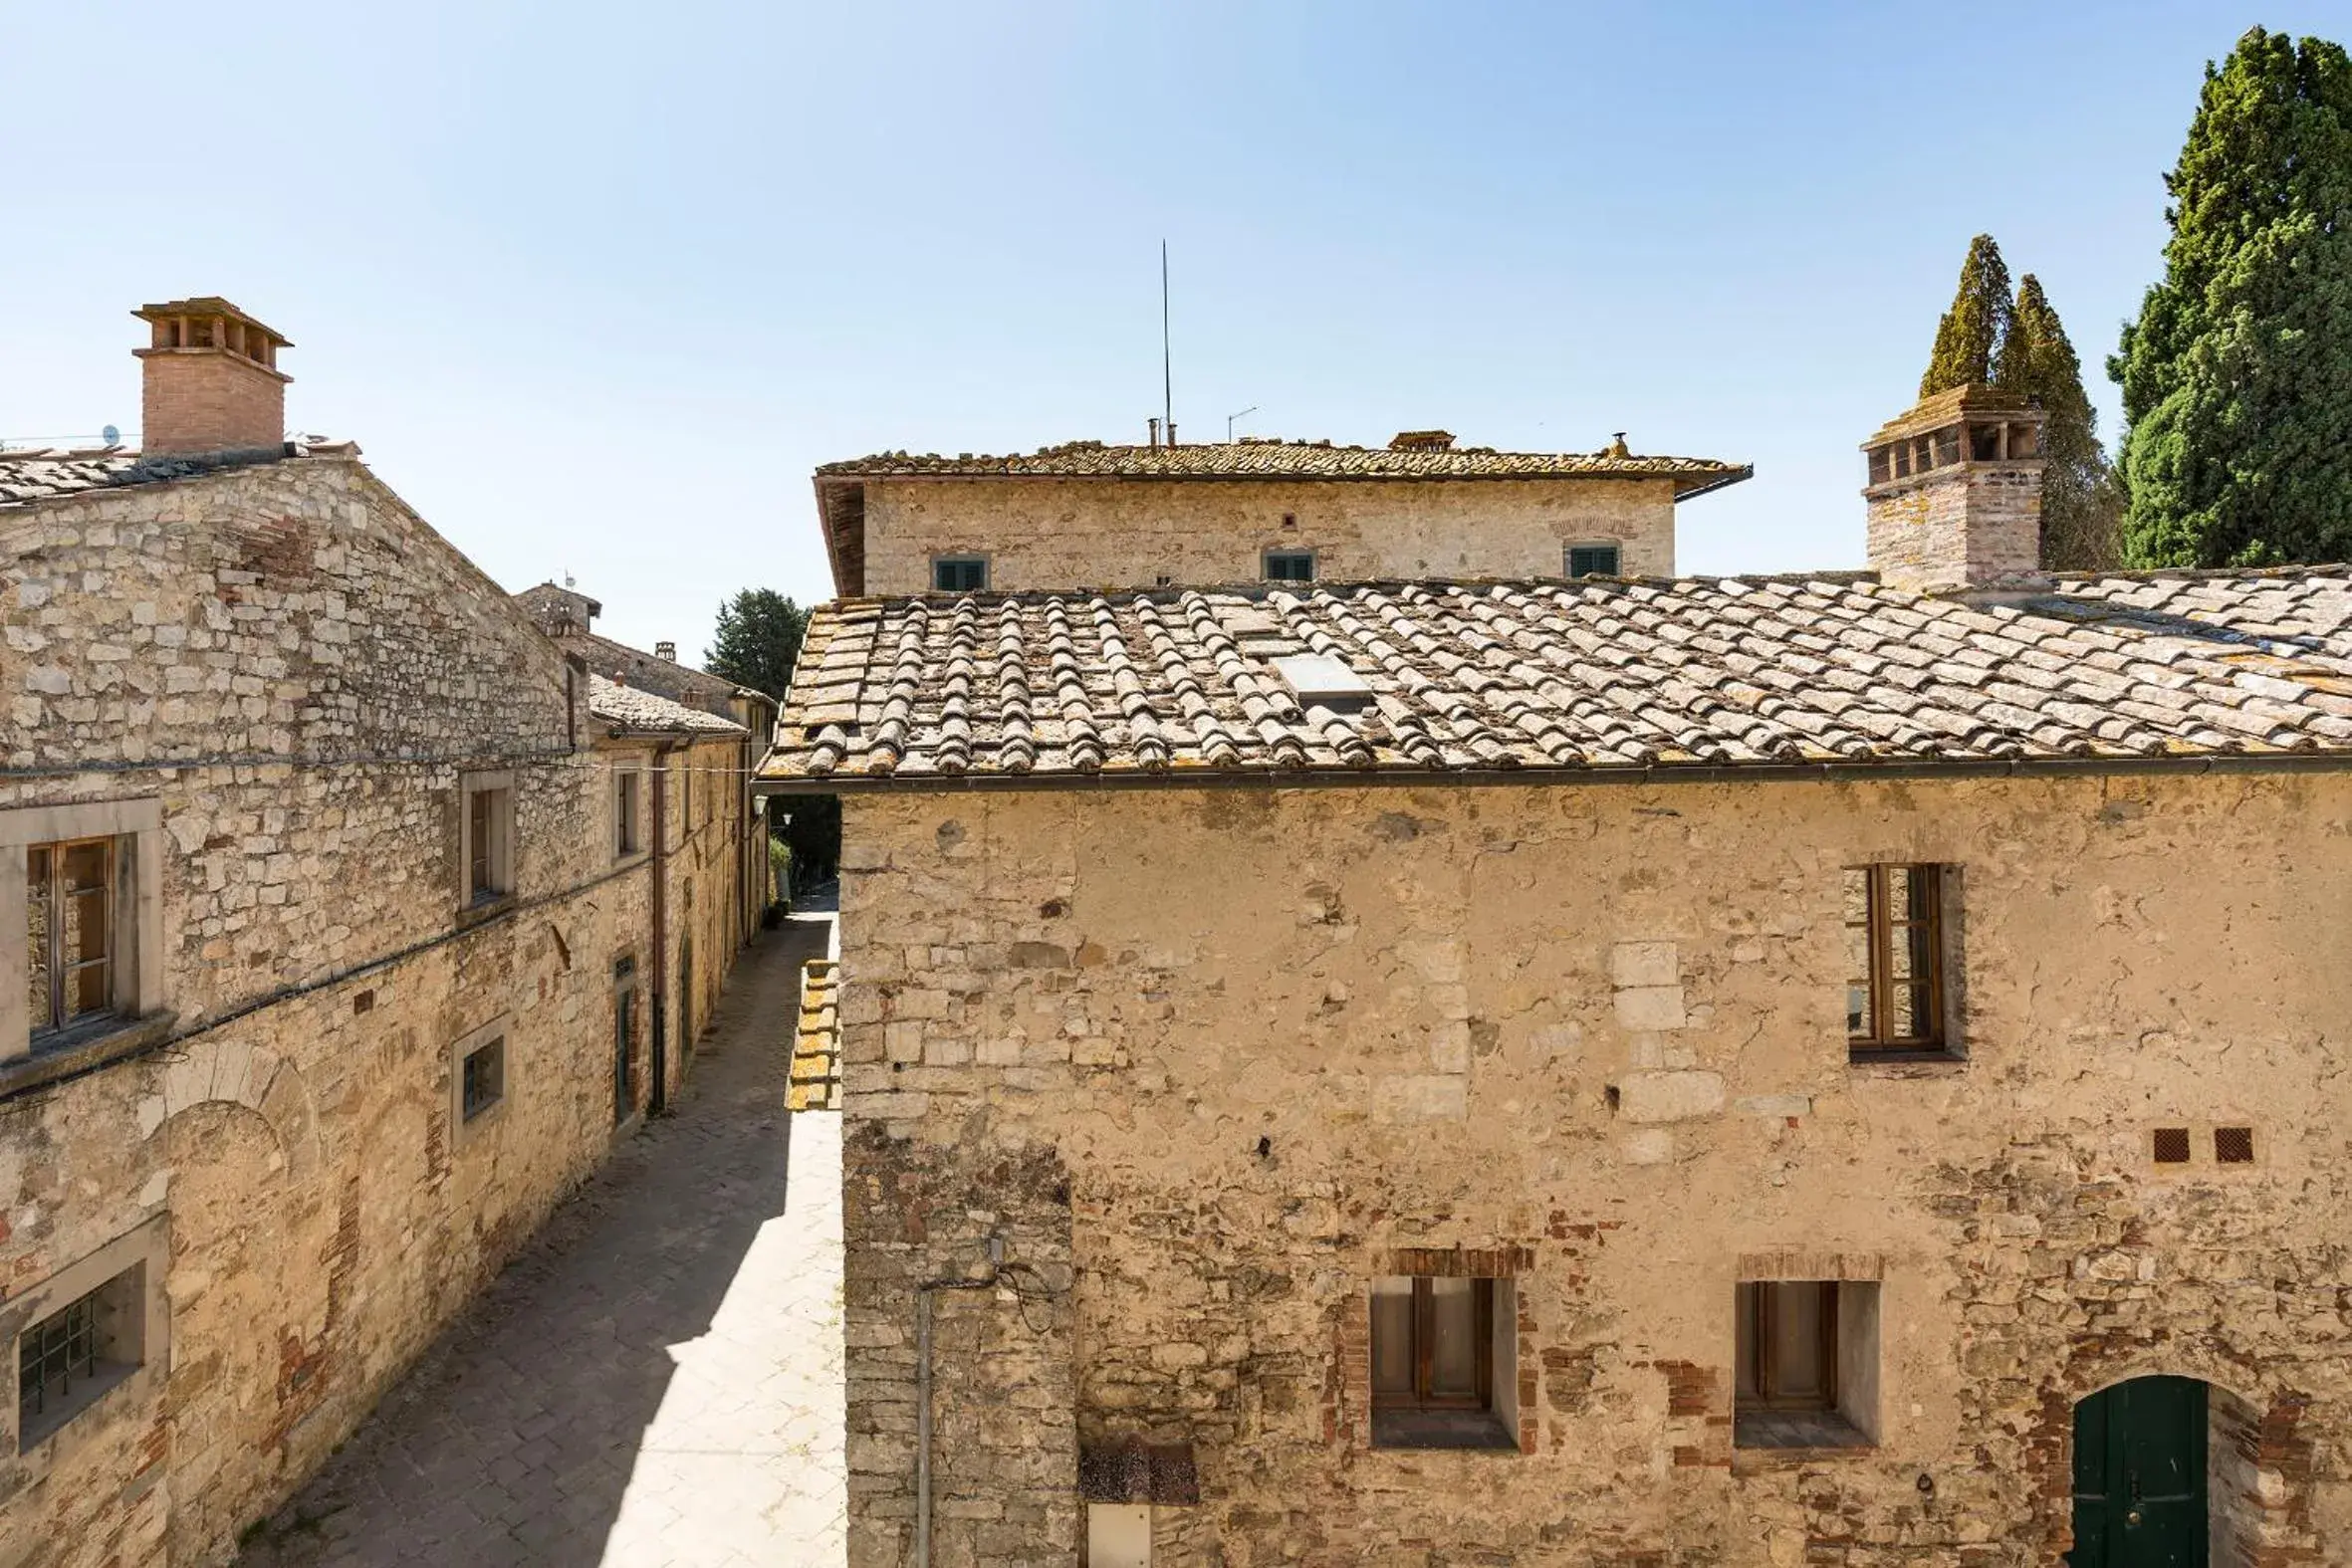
[
  {"x": 1229, "y": 418},
  {"x": 1167, "y": 370},
  {"x": 110, "y": 436}
]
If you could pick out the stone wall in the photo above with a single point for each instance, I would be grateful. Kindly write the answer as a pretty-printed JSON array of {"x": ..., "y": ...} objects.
[
  {"x": 1049, "y": 532},
  {"x": 1279, "y": 1042},
  {"x": 297, "y": 673}
]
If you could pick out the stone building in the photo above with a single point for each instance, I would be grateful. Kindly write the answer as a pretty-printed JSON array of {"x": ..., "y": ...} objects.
[
  {"x": 1123, "y": 517},
  {"x": 1835, "y": 1069},
  {"x": 569, "y": 618},
  {"x": 683, "y": 768},
  {"x": 311, "y": 896}
]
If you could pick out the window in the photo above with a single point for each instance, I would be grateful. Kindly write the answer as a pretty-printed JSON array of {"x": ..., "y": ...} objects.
[
  {"x": 2171, "y": 1146},
  {"x": 68, "y": 1359},
  {"x": 1807, "y": 1365},
  {"x": 959, "y": 573},
  {"x": 77, "y": 887},
  {"x": 2234, "y": 1145},
  {"x": 1290, "y": 565},
  {"x": 1893, "y": 959},
  {"x": 1592, "y": 560},
  {"x": 1434, "y": 1363},
  {"x": 477, "y": 1078},
  {"x": 486, "y": 848},
  {"x": 485, "y": 1078},
  {"x": 70, "y": 909},
  {"x": 686, "y": 795},
  {"x": 626, "y": 831}
]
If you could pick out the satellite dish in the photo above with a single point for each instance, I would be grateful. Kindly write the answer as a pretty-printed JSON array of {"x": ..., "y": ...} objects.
[{"x": 111, "y": 436}]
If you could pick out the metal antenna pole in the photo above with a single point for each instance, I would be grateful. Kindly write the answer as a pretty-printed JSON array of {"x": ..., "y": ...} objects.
[{"x": 1167, "y": 370}]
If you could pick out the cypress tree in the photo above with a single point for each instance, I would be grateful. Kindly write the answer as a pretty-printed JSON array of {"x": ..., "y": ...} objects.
[
  {"x": 2238, "y": 374},
  {"x": 2079, "y": 496},
  {"x": 1970, "y": 333}
]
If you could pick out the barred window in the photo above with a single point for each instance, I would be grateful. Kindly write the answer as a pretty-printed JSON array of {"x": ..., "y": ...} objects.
[
  {"x": 485, "y": 1077},
  {"x": 1290, "y": 565},
  {"x": 1592, "y": 560},
  {"x": 68, "y": 1359}
]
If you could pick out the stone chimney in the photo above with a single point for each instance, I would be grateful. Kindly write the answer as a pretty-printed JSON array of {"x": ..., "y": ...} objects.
[
  {"x": 1954, "y": 495},
  {"x": 212, "y": 383},
  {"x": 667, "y": 651}
]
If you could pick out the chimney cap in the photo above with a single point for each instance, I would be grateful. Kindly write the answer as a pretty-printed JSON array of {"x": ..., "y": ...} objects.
[
  {"x": 210, "y": 304},
  {"x": 1949, "y": 407},
  {"x": 1422, "y": 441}
]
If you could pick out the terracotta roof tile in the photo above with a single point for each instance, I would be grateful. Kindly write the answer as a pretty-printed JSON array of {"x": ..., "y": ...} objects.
[
  {"x": 641, "y": 710},
  {"x": 1592, "y": 674},
  {"x": 1283, "y": 460}
]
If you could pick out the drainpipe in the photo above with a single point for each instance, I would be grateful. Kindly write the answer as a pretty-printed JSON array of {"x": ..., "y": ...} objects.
[
  {"x": 658, "y": 1101},
  {"x": 987, "y": 1281}
]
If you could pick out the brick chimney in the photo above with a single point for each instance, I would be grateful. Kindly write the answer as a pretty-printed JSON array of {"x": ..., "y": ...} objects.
[
  {"x": 212, "y": 383},
  {"x": 666, "y": 650},
  {"x": 1954, "y": 495}
]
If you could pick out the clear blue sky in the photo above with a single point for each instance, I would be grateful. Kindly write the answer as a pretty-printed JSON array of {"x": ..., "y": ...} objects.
[{"x": 597, "y": 285}]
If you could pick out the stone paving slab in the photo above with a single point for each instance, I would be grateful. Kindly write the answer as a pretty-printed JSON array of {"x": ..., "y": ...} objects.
[{"x": 657, "y": 1381}]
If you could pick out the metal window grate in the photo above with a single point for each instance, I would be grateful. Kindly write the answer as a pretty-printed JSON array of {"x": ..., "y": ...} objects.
[
  {"x": 53, "y": 1356},
  {"x": 959, "y": 574},
  {"x": 2234, "y": 1145},
  {"x": 1290, "y": 565},
  {"x": 1592, "y": 560},
  {"x": 2171, "y": 1146},
  {"x": 485, "y": 1077}
]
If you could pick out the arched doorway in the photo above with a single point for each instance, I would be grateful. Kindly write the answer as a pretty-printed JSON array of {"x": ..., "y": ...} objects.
[{"x": 2140, "y": 1490}]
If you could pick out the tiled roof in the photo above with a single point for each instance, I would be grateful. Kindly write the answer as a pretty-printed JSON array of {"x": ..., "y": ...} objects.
[
  {"x": 642, "y": 710},
  {"x": 33, "y": 476},
  {"x": 1286, "y": 460},
  {"x": 1595, "y": 674}
]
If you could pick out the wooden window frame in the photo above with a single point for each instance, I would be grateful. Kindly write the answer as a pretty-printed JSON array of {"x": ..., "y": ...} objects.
[
  {"x": 1764, "y": 1304},
  {"x": 489, "y": 844},
  {"x": 1481, "y": 1310},
  {"x": 1877, "y": 1037},
  {"x": 51, "y": 1026}
]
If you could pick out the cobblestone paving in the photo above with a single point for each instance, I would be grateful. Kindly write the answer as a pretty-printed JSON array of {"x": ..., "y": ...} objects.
[{"x": 656, "y": 1383}]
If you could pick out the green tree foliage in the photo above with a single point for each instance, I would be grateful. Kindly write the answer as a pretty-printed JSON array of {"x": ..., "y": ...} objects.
[
  {"x": 2238, "y": 374},
  {"x": 2080, "y": 499},
  {"x": 756, "y": 642},
  {"x": 1970, "y": 335},
  {"x": 757, "y": 639}
]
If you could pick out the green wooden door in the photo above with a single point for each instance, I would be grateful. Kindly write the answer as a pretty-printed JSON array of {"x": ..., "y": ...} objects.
[{"x": 2139, "y": 1476}]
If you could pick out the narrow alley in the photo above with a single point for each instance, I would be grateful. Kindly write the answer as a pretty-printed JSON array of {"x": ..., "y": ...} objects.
[{"x": 656, "y": 1382}]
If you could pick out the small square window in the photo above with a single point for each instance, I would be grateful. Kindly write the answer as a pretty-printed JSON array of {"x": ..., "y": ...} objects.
[
  {"x": 1895, "y": 986},
  {"x": 1290, "y": 565},
  {"x": 1444, "y": 1355},
  {"x": 1592, "y": 560},
  {"x": 485, "y": 1078},
  {"x": 1807, "y": 1365},
  {"x": 67, "y": 1360},
  {"x": 959, "y": 573},
  {"x": 2234, "y": 1145},
  {"x": 2172, "y": 1145}
]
